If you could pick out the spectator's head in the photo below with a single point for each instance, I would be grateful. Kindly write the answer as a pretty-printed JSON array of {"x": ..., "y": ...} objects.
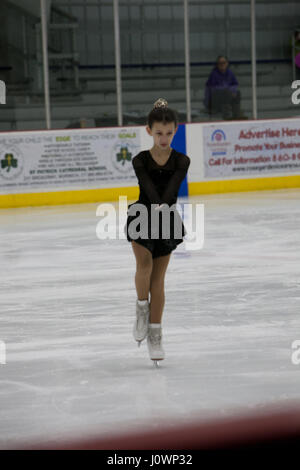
[
  {"x": 297, "y": 35},
  {"x": 222, "y": 63}
]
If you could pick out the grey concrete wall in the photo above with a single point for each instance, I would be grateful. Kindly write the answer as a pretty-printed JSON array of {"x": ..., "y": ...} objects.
[
  {"x": 154, "y": 32},
  {"x": 32, "y": 6}
]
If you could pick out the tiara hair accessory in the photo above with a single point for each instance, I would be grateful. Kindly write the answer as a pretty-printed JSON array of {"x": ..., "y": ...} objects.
[{"x": 160, "y": 103}]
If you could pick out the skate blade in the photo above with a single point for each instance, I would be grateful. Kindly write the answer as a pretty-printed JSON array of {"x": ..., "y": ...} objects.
[{"x": 156, "y": 362}]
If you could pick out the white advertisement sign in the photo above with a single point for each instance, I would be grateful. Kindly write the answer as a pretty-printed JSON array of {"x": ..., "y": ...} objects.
[
  {"x": 254, "y": 148},
  {"x": 67, "y": 159}
]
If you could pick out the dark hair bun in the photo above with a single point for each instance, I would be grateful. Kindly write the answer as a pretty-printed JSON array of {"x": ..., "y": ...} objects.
[
  {"x": 162, "y": 113},
  {"x": 160, "y": 103}
]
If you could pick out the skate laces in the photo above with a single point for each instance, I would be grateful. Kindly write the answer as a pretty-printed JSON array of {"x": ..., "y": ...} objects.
[
  {"x": 155, "y": 338},
  {"x": 143, "y": 309},
  {"x": 141, "y": 320},
  {"x": 142, "y": 315}
]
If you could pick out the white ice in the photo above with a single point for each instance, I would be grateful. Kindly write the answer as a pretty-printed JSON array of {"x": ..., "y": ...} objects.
[{"x": 67, "y": 304}]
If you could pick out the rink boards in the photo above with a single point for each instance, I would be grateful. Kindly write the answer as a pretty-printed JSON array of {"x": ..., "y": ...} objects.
[{"x": 92, "y": 165}]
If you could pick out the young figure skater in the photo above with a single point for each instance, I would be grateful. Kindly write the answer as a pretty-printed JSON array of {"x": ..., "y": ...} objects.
[{"x": 160, "y": 172}]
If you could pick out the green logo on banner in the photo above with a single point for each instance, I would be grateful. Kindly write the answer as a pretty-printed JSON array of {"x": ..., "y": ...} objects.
[
  {"x": 124, "y": 155},
  {"x": 9, "y": 162}
]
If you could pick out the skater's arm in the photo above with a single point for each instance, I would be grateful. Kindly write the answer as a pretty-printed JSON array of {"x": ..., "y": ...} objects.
[
  {"x": 172, "y": 189},
  {"x": 145, "y": 181}
]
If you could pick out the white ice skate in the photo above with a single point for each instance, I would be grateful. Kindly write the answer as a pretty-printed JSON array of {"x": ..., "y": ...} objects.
[
  {"x": 154, "y": 342},
  {"x": 140, "y": 327}
]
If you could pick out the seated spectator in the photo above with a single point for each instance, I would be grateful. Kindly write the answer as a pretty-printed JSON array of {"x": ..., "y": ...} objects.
[
  {"x": 296, "y": 52},
  {"x": 221, "y": 91}
]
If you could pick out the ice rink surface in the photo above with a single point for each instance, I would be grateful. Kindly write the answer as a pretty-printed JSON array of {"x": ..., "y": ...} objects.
[{"x": 67, "y": 304}]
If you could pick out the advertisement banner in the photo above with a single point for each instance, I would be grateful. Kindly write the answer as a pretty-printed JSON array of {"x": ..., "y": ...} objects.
[
  {"x": 251, "y": 148},
  {"x": 45, "y": 161}
]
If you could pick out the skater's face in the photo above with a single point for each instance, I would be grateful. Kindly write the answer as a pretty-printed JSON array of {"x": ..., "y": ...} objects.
[{"x": 162, "y": 134}]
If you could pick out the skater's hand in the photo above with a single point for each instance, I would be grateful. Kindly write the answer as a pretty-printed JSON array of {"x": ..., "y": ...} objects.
[{"x": 158, "y": 208}]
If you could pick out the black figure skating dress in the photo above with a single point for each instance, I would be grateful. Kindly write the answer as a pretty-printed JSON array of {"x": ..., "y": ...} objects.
[{"x": 159, "y": 184}]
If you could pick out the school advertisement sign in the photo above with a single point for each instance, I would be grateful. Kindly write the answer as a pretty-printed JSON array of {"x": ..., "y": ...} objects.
[{"x": 43, "y": 161}]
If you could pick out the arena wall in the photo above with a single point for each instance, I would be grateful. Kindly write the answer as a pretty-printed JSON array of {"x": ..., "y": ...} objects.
[{"x": 94, "y": 165}]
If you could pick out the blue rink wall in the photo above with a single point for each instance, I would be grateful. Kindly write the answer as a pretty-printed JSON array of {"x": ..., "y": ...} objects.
[
  {"x": 179, "y": 144},
  {"x": 266, "y": 153}
]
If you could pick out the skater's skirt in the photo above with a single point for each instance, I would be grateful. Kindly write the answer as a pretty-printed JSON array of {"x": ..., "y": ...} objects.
[{"x": 158, "y": 244}]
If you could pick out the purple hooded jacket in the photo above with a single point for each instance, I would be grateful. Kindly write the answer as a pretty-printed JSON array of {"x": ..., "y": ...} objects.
[{"x": 219, "y": 80}]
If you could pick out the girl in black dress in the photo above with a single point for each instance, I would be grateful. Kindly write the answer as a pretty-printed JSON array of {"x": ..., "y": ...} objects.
[{"x": 160, "y": 172}]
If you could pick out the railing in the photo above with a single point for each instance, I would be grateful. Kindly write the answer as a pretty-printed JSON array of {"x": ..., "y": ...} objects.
[
  {"x": 62, "y": 44},
  {"x": 20, "y": 47}
]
